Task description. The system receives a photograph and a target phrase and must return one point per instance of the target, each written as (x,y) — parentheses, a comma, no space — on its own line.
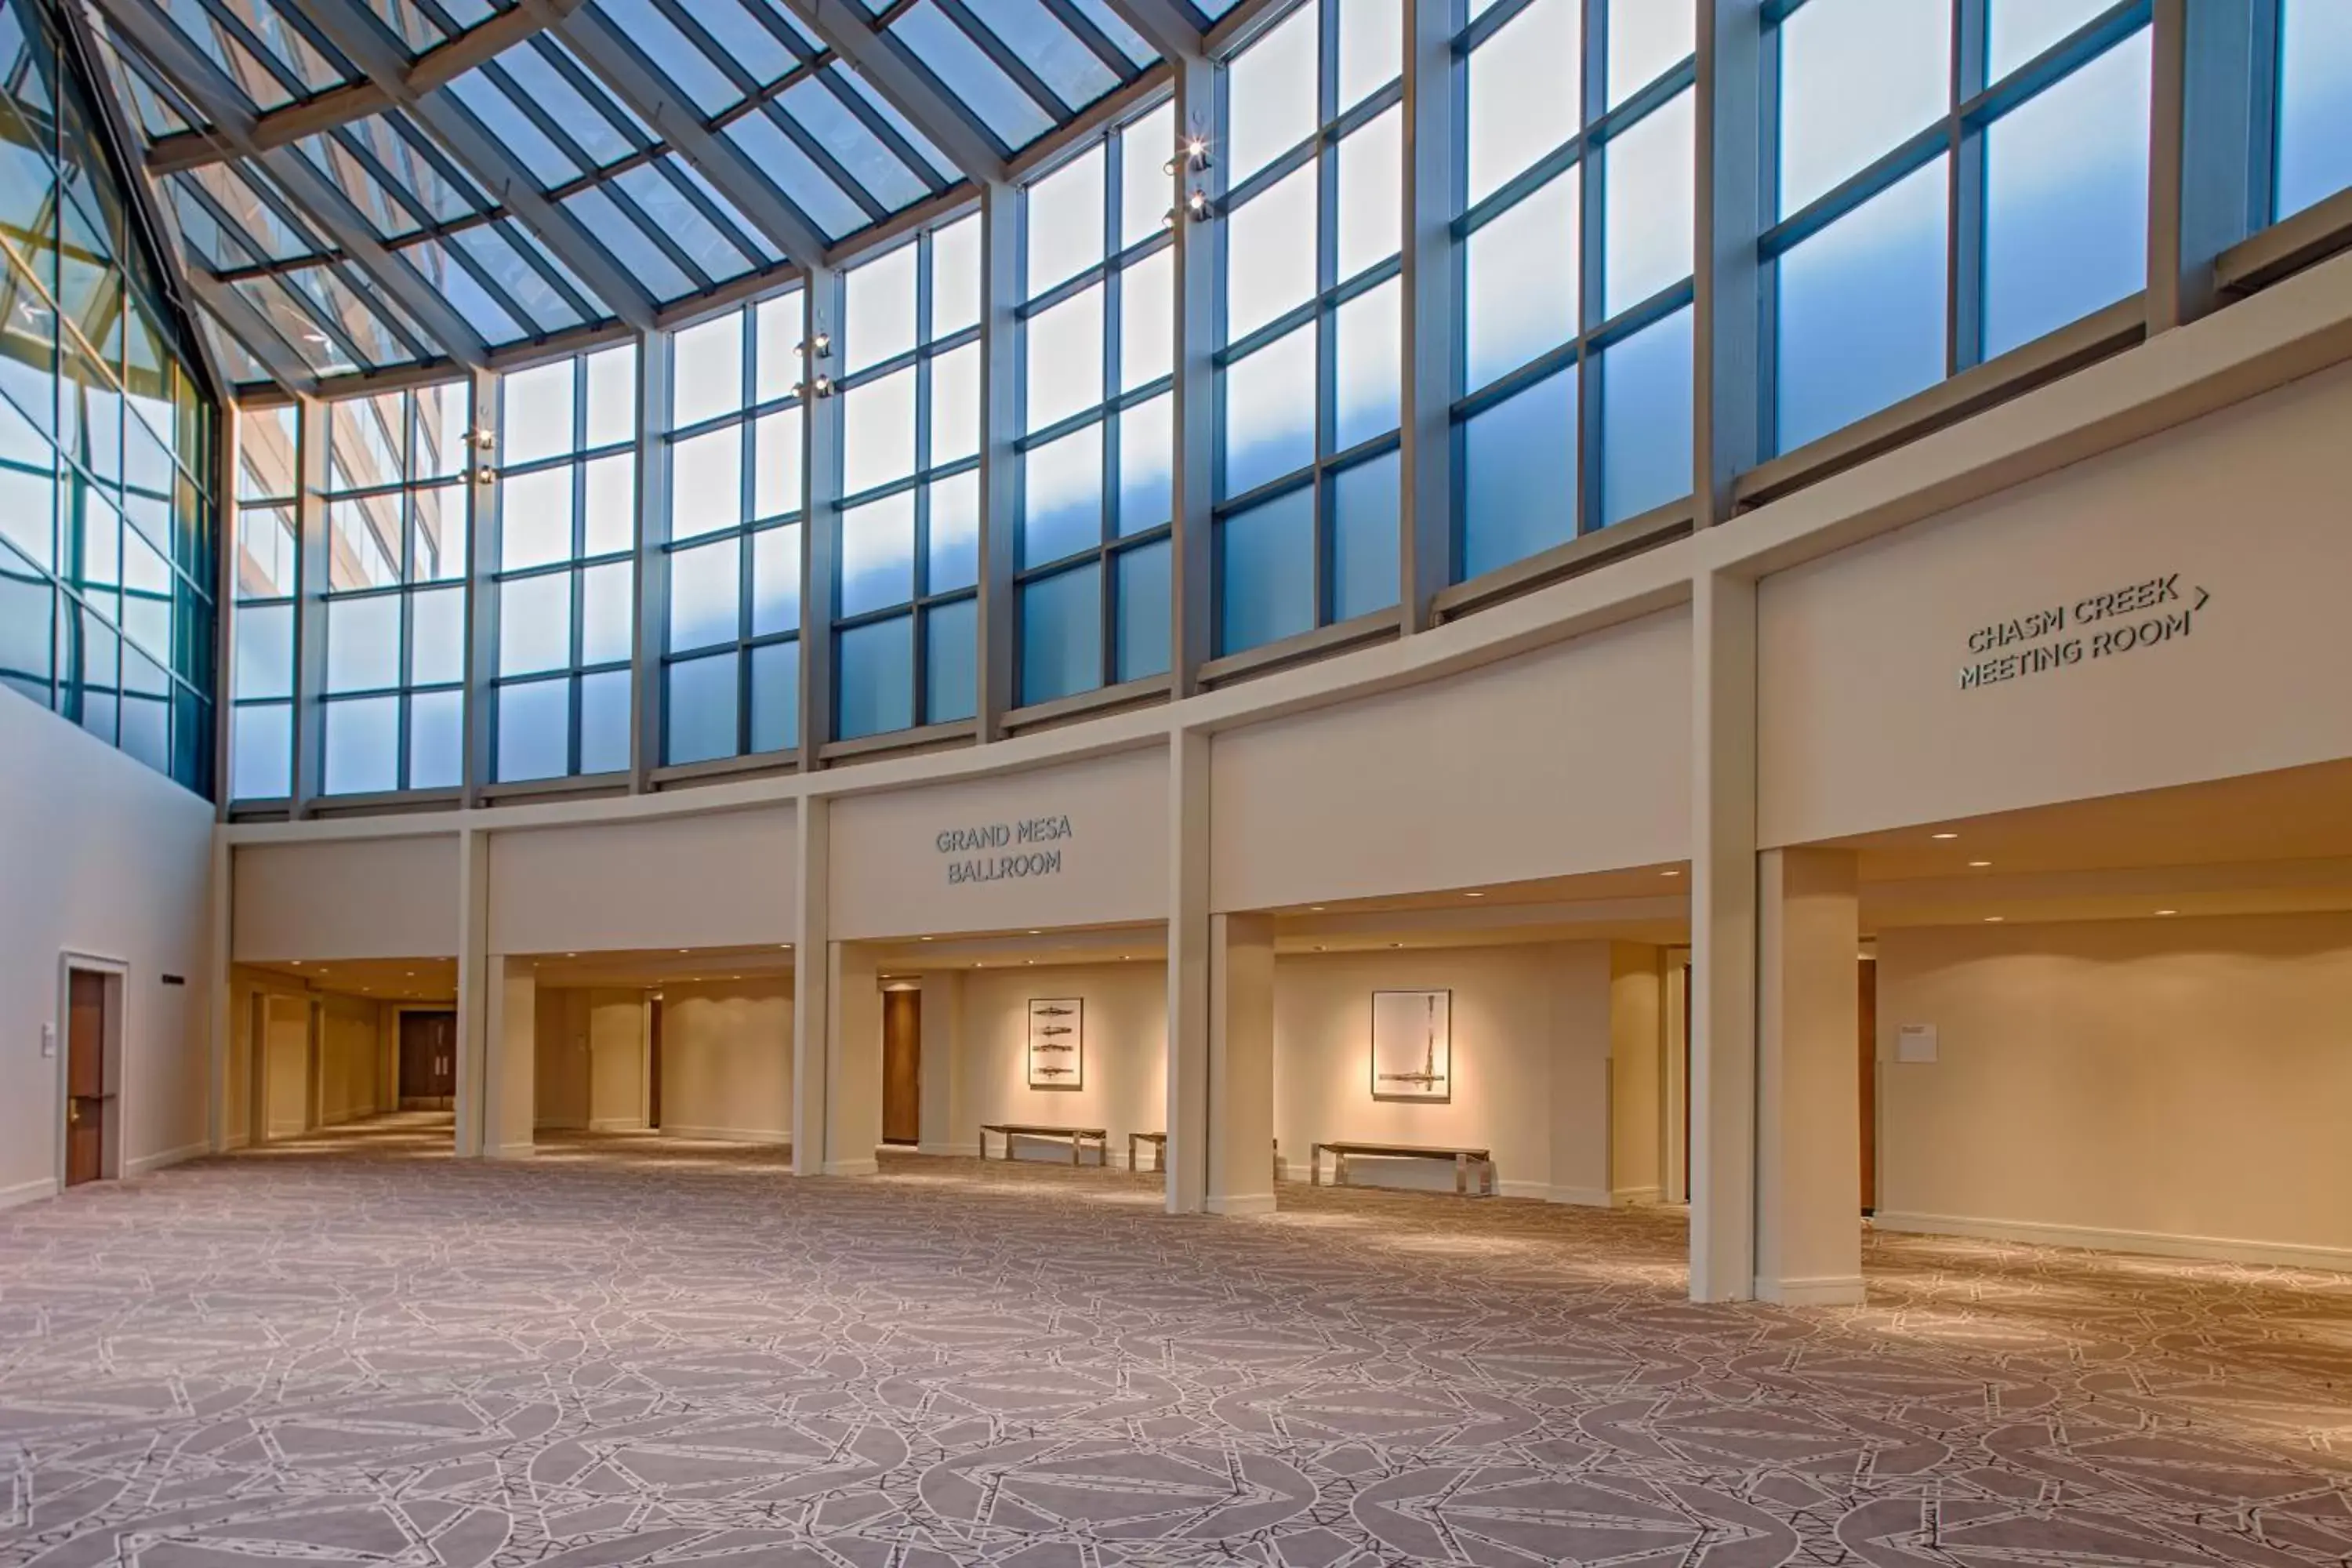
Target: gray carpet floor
(354,1350)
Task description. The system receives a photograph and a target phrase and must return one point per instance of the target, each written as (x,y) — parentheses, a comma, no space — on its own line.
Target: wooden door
(902,1067)
(85,1078)
(653,1062)
(428,1057)
(1868,1064)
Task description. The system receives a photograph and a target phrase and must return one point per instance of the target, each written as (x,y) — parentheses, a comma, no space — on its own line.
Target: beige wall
(892,878)
(727,1061)
(589,1061)
(1637,1072)
(370,898)
(1126,1024)
(1862,721)
(1576,758)
(2173,1085)
(723,879)
(287,1097)
(351,1060)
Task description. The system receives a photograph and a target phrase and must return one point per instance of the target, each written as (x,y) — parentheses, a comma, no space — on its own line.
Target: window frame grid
(1582,157)
(745,534)
(1974,104)
(577,561)
(290,601)
(1107,413)
(922,599)
(1334,124)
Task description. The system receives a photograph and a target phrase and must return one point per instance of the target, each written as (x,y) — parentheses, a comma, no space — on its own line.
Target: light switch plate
(49,1039)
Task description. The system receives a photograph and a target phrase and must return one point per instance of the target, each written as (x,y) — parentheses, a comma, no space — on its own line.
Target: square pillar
(510,1101)
(810,981)
(1580,1034)
(852,1061)
(1636,1036)
(1189,942)
(476,979)
(942,1130)
(1723,940)
(1808,1122)
(1241,1064)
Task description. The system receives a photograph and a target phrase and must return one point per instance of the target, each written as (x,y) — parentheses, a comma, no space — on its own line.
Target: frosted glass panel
(1520,286)
(2017,30)
(1146,449)
(707,370)
(537,408)
(265,650)
(1265,572)
(1065,222)
(954,534)
(1270,254)
(535,624)
(1372,195)
(704,585)
(955,406)
(607,624)
(1061,497)
(1370,339)
(437,740)
(874,676)
(363,643)
(878,554)
(1646,39)
(1519,475)
(1146,321)
(1061,634)
(1146,189)
(700,708)
(604,722)
(261,762)
(610,503)
(1270,412)
(535,519)
(1364,538)
(877,432)
(436,622)
(955,278)
(2314,110)
(950,644)
(535,730)
(1271,93)
(1862,310)
(879,312)
(1143,610)
(776,464)
(775,697)
(1857,77)
(363,745)
(776,580)
(1651,186)
(1065,360)
(1645,419)
(706,478)
(1525,92)
(1371,47)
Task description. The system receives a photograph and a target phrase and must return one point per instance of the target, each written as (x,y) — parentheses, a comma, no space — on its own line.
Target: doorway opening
(902,1067)
(92,1140)
(428,1060)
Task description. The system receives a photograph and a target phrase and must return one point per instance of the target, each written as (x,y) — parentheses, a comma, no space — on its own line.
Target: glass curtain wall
(2312,160)
(732,658)
(1951,179)
(1578,184)
(906,610)
(268,586)
(107,538)
(398,522)
(1309,376)
(1099,329)
(566,567)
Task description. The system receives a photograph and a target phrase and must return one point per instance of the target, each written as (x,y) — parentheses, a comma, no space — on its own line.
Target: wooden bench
(1159,1142)
(1078,1138)
(1462,1160)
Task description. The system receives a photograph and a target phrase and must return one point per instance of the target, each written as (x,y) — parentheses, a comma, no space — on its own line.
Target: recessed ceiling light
(1474,895)
(681,950)
(1943,835)
(1314,909)
(926,939)
(2168,911)
(1396,944)
(1994,919)
(297,963)
(1319,948)
(570,955)
(1671,871)
(1979,865)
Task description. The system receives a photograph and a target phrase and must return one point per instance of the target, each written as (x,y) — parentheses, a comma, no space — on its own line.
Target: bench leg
(1461,1177)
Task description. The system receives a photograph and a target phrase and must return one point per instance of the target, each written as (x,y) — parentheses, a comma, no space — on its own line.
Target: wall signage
(1002,851)
(2103,625)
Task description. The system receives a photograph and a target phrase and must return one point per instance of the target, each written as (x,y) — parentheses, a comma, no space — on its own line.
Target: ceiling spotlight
(1671,872)
(1978,865)
(1036,934)
(681,950)
(926,939)
(1474,895)
(1314,908)
(821,345)
(1943,835)
(2168,911)
(1196,205)
(1994,919)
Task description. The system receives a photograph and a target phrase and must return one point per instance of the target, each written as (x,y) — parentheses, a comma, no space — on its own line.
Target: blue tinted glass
(1856,77)
(535,624)
(878,554)
(2017,30)
(1368,378)
(363,745)
(775,697)
(1061,634)
(261,764)
(1271,92)
(1518,481)
(776,580)
(535,730)
(1645,419)
(1371,222)
(877,432)
(1265,572)
(951,642)
(265,651)
(875,677)
(1143,610)
(363,643)
(954,534)
(1061,497)
(1064,357)
(1652,189)
(1862,310)
(1520,283)
(2066,200)
(705,594)
(607,618)
(604,722)
(1525,92)
(700,713)
(1065,228)
(1269,414)
(1146,450)
(2315,108)
(1364,576)
(971,76)
(1270,253)
(437,740)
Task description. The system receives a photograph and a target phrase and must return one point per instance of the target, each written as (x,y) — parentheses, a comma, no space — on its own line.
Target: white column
(475,983)
(220,1022)
(852,1066)
(811,865)
(1189,942)
(1579,984)
(1808,1122)
(509,1102)
(1723,940)
(1636,1150)
(1241,1064)
(943,1131)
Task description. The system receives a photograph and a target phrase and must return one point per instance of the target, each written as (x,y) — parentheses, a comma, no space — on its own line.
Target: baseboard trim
(868,1166)
(1235,1206)
(510,1151)
(725,1134)
(1589,1197)
(2158,1244)
(1833,1290)
(949,1151)
(617,1124)
(146,1162)
(31,1192)
(1540,1191)
(1635,1197)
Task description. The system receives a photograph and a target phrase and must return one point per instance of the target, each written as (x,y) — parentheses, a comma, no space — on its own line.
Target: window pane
(951,634)
(535,519)
(1146,321)
(1372,195)
(1269,418)
(1862,310)
(879,312)
(955,406)
(261,760)
(1370,369)
(1364,562)
(775,697)
(607,622)
(611,504)
(436,545)
(954,534)
(1061,497)
(878,554)
(1856,77)
(265,650)
(700,708)
(877,432)
(437,740)
(1061,634)
(2314,110)
(1143,610)
(1646,40)
(1270,254)
(1065,360)
(1525,92)
(1520,283)
(2066,200)
(707,370)
(776,580)
(1271,93)
(2017,30)
(1146,447)
(363,745)
(777,334)
(538,412)
(776,464)
(875,678)
(1146,192)
(535,730)
(703,594)
(612,397)
(437,654)
(365,537)
(535,624)
(1519,475)
(1371,47)
(363,643)
(1651,190)
(1065,222)
(1645,419)
(1265,572)
(604,722)
(955,278)
(706,482)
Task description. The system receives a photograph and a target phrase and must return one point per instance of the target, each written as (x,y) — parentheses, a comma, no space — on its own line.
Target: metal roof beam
(320,202)
(1166,25)
(237,317)
(905,86)
(363,40)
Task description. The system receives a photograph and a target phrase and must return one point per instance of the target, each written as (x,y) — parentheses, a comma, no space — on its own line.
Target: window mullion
(649,570)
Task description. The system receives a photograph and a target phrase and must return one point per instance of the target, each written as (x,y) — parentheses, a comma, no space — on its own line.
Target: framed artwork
(1412,1046)
(1058,1042)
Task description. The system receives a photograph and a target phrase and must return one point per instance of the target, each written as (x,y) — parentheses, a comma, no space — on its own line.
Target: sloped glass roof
(390,182)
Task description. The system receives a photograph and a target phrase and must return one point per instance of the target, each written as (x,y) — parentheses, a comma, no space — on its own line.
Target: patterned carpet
(354,1350)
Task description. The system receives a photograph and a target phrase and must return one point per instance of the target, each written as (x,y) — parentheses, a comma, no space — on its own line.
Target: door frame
(388,1064)
(116,973)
